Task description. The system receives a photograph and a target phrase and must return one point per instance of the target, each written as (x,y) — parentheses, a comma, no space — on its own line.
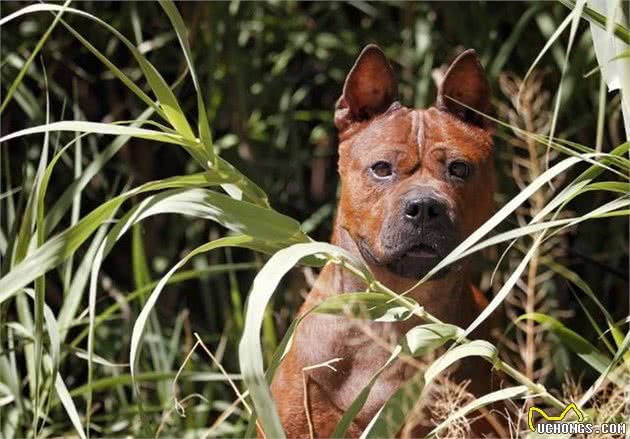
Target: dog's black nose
(424,210)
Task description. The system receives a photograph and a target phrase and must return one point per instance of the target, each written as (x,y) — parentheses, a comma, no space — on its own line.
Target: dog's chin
(413,263)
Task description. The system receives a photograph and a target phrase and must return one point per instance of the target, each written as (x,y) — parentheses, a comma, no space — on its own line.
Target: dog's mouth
(422,251)
(414,262)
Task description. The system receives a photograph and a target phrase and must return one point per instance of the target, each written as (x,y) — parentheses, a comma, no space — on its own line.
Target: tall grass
(67,364)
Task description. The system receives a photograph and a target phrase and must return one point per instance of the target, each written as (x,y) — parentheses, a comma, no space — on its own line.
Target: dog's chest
(344,354)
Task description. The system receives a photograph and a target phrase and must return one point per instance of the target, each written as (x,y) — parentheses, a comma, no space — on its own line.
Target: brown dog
(415,183)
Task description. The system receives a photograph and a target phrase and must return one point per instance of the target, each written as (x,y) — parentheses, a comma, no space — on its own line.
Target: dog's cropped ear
(369,90)
(465,82)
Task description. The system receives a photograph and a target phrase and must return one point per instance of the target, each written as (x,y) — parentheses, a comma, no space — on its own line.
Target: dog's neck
(447,298)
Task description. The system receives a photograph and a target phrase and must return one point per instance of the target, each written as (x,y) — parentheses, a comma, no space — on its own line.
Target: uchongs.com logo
(558,425)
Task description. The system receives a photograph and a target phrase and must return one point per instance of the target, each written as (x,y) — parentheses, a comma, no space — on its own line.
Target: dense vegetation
(173,148)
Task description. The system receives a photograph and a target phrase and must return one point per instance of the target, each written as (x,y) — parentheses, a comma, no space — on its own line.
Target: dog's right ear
(464,88)
(369,90)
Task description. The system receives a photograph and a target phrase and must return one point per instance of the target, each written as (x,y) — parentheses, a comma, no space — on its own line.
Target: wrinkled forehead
(420,129)
(399,126)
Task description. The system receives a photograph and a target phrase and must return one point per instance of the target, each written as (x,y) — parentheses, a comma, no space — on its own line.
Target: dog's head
(415,182)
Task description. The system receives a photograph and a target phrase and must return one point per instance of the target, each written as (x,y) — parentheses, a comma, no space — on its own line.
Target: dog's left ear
(465,81)
(369,90)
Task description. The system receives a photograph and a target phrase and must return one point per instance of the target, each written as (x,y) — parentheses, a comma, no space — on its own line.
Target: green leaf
(140,323)
(55,348)
(58,248)
(377,307)
(68,404)
(622,32)
(97,162)
(506,288)
(576,280)
(98,128)
(425,338)
(573,341)
(180,29)
(621,353)
(476,348)
(18,79)
(168,101)
(75,292)
(238,216)
(117,72)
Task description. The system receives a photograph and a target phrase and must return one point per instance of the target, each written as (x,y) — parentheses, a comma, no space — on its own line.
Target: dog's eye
(381,169)
(459,169)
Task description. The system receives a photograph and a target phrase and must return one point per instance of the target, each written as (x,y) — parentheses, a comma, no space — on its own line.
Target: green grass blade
(180,29)
(29,61)
(568,20)
(52,328)
(117,72)
(621,32)
(41,185)
(59,248)
(423,339)
(140,323)
(476,348)
(239,216)
(376,307)
(74,296)
(573,341)
(68,404)
(63,203)
(141,275)
(506,288)
(530,229)
(168,101)
(511,42)
(98,128)
(137,294)
(554,118)
(576,280)
(622,352)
